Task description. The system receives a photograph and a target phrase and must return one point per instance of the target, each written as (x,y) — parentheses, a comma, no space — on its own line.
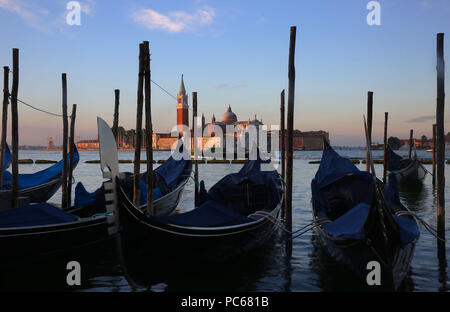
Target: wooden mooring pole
(148,127)
(138,137)
(369,125)
(433,156)
(385,147)
(71,152)
(4,120)
(282,137)
(64,199)
(440,141)
(194,146)
(15,132)
(411,142)
(290,127)
(115,128)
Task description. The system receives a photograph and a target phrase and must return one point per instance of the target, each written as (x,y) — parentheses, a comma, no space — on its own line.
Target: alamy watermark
(73,16)
(233,143)
(374,16)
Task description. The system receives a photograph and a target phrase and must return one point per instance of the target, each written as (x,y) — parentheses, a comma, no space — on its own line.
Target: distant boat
(38,187)
(406,170)
(349,221)
(430,150)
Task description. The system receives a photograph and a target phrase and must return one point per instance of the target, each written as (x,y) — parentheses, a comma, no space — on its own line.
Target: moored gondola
(357,226)
(39,186)
(406,170)
(37,232)
(239,213)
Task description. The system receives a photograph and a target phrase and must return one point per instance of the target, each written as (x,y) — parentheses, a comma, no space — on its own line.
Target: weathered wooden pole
(282,137)
(433,156)
(440,140)
(385,147)
(138,136)
(15,132)
(148,127)
(411,132)
(290,127)
(194,146)
(71,152)
(369,125)
(4,120)
(115,128)
(64,199)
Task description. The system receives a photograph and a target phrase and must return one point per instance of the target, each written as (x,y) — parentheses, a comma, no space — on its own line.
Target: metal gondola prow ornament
(109,165)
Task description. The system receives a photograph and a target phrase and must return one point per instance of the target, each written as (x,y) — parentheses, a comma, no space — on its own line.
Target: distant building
(50,143)
(87,144)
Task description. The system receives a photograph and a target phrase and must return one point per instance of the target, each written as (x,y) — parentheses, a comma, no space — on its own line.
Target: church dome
(229,116)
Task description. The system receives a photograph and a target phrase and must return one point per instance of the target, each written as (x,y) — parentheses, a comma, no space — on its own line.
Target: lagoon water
(269,269)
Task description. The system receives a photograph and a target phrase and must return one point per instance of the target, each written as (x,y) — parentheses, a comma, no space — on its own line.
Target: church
(311,140)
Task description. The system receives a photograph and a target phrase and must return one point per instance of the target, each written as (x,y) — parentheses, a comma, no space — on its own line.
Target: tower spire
(182,88)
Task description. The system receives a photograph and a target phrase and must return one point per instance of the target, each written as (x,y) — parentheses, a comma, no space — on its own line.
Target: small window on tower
(179,101)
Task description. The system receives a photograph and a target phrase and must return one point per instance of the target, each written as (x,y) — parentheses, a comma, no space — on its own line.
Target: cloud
(421,119)
(174,21)
(31,15)
(222,85)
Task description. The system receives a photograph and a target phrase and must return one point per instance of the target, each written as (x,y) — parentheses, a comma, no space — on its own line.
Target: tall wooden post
(71,152)
(282,137)
(4,120)
(433,156)
(411,132)
(15,132)
(116,113)
(138,136)
(440,141)
(290,127)
(369,125)
(385,147)
(194,146)
(148,127)
(64,199)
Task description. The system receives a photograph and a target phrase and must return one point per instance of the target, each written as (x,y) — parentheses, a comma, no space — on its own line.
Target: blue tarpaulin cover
(218,207)
(351,224)
(7,157)
(34,215)
(166,178)
(27,180)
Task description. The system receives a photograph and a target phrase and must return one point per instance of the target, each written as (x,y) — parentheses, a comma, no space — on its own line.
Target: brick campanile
(182,108)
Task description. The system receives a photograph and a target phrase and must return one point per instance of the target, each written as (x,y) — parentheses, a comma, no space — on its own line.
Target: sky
(232,53)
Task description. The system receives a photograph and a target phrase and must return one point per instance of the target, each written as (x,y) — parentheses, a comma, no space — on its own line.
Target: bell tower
(182,108)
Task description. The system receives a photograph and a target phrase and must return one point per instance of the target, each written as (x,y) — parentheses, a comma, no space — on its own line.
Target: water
(268,269)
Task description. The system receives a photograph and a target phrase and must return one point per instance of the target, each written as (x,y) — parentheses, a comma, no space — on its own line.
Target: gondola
(37,232)
(406,170)
(353,224)
(237,214)
(169,180)
(40,186)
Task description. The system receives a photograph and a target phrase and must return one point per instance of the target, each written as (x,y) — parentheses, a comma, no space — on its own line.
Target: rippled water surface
(268,269)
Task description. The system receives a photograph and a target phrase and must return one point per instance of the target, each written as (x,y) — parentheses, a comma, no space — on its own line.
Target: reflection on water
(267,269)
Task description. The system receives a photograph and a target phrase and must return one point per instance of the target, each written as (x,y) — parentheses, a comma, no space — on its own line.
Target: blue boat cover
(334,167)
(230,200)
(351,224)
(27,180)
(394,161)
(210,214)
(7,158)
(165,179)
(34,215)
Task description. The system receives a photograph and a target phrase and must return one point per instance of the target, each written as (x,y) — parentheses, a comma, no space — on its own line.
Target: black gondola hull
(354,257)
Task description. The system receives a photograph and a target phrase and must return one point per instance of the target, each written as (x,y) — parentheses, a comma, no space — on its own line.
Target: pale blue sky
(231,52)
